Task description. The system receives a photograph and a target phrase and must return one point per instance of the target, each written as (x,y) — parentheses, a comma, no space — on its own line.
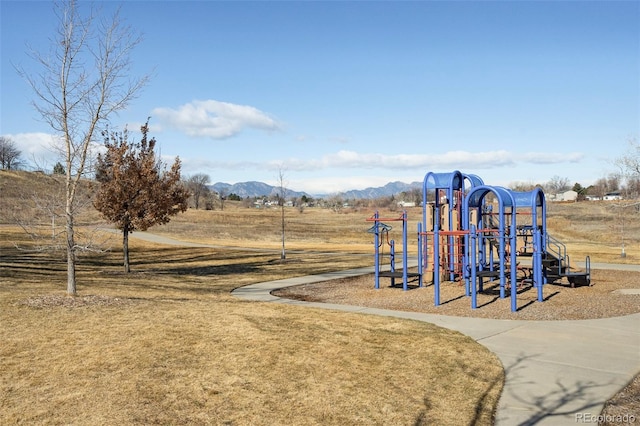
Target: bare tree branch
(82,81)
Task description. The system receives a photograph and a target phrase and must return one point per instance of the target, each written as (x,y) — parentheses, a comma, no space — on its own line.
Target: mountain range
(260,189)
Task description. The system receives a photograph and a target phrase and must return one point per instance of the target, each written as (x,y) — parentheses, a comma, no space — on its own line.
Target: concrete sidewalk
(557,372)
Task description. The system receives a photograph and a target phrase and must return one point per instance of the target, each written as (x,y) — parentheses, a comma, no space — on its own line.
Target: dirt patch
(561,302)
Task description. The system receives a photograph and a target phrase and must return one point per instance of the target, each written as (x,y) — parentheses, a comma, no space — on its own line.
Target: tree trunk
(71,256)
(125,248)
(283,255)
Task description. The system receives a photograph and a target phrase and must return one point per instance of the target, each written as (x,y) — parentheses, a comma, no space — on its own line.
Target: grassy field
(167,344)
(597,229)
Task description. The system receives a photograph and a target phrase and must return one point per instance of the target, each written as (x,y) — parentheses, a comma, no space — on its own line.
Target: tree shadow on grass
(480,414)
(239,268)
(178,269)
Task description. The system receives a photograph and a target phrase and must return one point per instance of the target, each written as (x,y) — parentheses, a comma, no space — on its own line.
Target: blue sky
(347,95)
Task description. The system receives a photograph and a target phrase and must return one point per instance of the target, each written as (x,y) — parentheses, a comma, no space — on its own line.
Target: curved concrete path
(557,372)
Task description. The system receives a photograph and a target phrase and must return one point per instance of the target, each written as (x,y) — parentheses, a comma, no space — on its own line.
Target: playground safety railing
(559,251)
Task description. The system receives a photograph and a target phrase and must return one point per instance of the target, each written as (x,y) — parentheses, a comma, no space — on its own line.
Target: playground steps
(556,268)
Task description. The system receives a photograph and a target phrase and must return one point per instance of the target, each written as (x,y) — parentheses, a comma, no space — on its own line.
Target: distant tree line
(202,197)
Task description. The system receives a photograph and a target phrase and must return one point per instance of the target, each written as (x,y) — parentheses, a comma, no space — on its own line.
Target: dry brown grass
(597,229)
(312,229)
(592,229)
(167,344)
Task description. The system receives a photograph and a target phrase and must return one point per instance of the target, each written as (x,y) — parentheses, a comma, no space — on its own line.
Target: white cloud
(34,144)
(214,119)
(552,157)
(38,150)
(452,160)
(448,160)
(196,165)
(42,150)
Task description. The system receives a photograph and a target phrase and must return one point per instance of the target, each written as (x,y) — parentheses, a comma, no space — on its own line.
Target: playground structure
(380,230)
(471,231)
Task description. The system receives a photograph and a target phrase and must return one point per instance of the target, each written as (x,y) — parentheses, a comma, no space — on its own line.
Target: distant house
(612,196)
(404,204)
(564,196)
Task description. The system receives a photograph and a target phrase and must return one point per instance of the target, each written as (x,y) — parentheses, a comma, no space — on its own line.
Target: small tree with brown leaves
(136,191)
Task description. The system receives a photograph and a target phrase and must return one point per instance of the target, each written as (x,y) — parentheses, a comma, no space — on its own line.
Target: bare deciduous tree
(82,81)
(222,196)
(136,192)
(632,188)
(613,182)
(9,154)
(599,188)
(335,202)
(197,185)
(629,164)
(44,205)
(558,184)
(605,185)
(282,194)
(630,161)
